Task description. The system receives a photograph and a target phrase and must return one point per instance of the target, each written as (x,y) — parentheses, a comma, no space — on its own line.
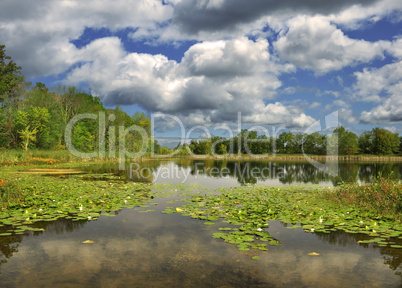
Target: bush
(384,196)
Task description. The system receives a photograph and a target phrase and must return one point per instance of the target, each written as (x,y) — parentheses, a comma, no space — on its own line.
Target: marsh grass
(36,157)
(10,194)
(383,196)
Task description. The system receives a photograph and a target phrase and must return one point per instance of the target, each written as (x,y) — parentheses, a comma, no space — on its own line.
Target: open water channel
(155,249)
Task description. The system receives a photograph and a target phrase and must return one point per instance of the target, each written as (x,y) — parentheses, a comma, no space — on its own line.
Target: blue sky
(278,63)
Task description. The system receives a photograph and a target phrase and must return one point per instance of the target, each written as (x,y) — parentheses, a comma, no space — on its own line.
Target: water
(169,250)
(216,173)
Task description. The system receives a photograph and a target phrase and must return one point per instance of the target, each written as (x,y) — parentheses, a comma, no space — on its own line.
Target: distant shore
(281,157)
(38,157)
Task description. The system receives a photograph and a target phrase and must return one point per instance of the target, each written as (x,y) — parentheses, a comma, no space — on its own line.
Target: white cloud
(381,85)
(395,47)
(341,103)
(216,78)
(355,16)
(314,43)
(37,35)
(347,116)
(279,114)
(390,111)
(372,83)
(315,105)
(392,129)
(192,88)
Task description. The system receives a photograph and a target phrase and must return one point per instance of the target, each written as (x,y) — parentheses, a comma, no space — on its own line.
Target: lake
(144,247)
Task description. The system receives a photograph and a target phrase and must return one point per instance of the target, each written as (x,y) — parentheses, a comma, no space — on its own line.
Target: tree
(27,135)
(385,142)
(8,134)
(10,78)
(32,124)
(366,144)
(400,144)
(284,143)
(345,141)
(315,143)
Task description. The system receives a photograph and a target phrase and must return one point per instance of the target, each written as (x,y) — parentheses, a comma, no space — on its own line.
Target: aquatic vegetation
(73,197)
(383,197)
(243,215)
(238,215)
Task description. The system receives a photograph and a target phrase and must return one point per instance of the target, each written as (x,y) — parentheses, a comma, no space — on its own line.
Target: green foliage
(345,141)
(27,135)
(35,198)
(385,142)
(315,143)
(10,78)
(243,213)
(36,117)
(83,136)
(384,196)
(400,144)
(341,142)
(379,141)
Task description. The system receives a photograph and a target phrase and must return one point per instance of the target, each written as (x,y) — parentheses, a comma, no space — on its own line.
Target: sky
(272,64)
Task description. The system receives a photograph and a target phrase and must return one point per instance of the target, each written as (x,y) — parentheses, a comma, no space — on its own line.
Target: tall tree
(32,125)
(385,142)
(346,141)
(366,142)
(284,143)
(10,78)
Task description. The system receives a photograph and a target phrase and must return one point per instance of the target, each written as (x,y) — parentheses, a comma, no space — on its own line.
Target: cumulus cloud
(356,16)
(38,34)
(390,111)
(383,85)
(213,82)
(195,16)
(225,72)
(314,43)
(395,47)
(347,116)
(372,83)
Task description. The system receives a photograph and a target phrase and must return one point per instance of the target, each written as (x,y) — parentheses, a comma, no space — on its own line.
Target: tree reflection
(252,172)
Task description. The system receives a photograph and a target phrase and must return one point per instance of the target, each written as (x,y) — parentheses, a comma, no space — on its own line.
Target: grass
(38,157)
(383,197)
(35,157)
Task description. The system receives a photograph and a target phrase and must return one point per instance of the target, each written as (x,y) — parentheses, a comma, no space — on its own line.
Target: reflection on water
(232,173)
(168,250)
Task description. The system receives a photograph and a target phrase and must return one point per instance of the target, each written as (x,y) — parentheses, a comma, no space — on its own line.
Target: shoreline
(356,158)
(20,158)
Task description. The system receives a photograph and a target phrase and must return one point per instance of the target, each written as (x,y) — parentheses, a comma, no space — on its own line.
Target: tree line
(378,141)
(35,117)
